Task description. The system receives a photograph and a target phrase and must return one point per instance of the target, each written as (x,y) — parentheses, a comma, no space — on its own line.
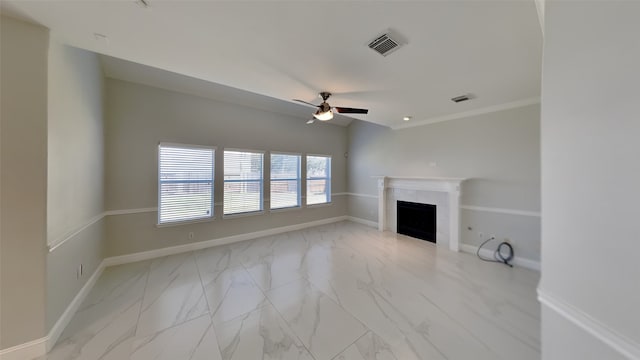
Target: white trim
(285,209)
(526,263)
(75,232)
(73,307)
(540,9)
(470,207)
(28,350)
(620,343)
(460,115)
(362,195)
(311,206)
(185,146)
(340,194)
(450,186)
(186,222)
(152,254)
(97,218)
(130,211)
(501,210)
(362,221)
(54,245)
(242,214)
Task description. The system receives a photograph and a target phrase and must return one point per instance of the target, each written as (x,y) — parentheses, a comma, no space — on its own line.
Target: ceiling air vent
(386,43)
(461,98)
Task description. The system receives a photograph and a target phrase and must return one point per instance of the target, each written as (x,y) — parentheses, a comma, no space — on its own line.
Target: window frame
(329,177)
(299,178)
(213,181)
(224,181)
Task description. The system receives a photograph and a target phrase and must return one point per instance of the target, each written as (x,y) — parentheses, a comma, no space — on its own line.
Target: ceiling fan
(325,111)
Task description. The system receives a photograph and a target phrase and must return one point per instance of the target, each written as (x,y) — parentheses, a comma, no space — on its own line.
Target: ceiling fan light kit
(325,111)
(323,115)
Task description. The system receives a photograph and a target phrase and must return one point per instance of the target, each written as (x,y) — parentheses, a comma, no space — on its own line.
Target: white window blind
(318,179)
(185,183)
(242,181)
(285,181)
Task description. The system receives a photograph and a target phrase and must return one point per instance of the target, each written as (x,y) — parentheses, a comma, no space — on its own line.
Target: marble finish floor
(339,291)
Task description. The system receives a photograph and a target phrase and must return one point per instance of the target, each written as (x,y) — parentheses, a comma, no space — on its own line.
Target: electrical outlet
(191,235)
(481,235)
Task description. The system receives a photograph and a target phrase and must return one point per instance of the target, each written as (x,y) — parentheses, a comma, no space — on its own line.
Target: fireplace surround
(442,192)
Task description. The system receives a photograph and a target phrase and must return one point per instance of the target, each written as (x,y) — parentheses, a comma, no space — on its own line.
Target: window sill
(241,215)
(185,222)
(320,205)
(285,209)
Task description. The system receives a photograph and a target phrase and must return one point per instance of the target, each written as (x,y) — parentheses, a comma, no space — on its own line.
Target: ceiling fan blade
(344,110)
(306,103)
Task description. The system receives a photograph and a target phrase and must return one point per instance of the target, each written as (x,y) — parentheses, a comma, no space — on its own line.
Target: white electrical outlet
(481,235)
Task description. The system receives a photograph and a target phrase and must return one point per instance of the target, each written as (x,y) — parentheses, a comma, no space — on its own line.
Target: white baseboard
(370,223)
(28,350)
(40,347)
(620,343)
(66,316)
(152,254)
(526,263)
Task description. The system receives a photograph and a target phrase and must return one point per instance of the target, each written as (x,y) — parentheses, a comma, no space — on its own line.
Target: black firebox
(417,220)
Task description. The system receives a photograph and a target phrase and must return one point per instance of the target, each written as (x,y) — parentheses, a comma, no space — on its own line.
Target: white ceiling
(295,49)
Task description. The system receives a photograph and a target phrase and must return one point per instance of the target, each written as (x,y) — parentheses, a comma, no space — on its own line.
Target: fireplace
(417,220)
(442,192)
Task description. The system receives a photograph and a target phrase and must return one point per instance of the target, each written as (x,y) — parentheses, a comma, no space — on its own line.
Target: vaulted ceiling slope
(295,49)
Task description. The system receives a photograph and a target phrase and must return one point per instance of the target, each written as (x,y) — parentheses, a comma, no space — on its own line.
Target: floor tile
(277,271)
(323,326)
(219,258)
(173,294)
(339,291)
(106,321)
(192,340)
(261,334)
(369,347)
(231,293)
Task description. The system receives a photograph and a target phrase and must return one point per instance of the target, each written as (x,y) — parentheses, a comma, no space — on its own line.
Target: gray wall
(75,184)
(23,181)
(139,117)
(564,340)
(591,169)
(499,152)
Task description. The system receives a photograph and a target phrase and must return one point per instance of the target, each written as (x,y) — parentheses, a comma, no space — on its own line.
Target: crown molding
(460,115)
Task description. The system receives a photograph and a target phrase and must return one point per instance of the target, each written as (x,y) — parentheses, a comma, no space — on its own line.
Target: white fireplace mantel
(451,186)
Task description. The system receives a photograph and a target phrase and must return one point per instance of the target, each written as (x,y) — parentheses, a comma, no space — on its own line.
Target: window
(318,179)
(285,181)
(242,181)
(185,182)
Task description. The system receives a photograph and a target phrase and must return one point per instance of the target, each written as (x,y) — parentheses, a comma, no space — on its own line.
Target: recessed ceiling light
(406,118)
